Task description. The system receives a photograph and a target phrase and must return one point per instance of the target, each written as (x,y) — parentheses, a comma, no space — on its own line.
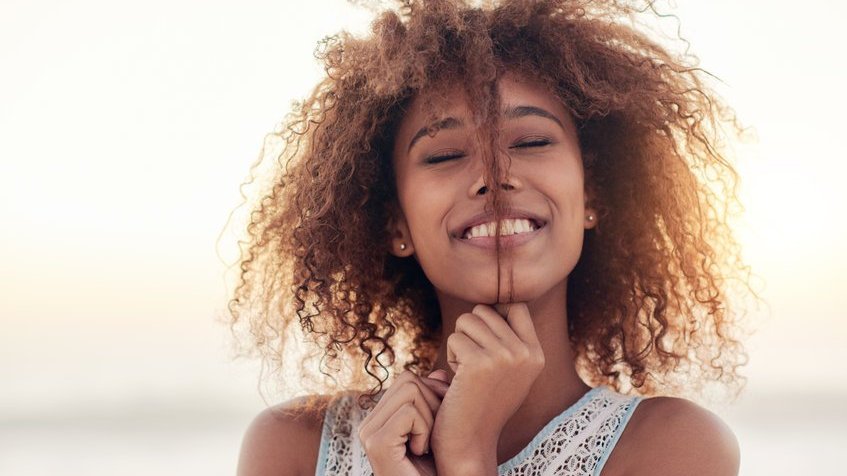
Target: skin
(504,370)
(545,177)
(509,377)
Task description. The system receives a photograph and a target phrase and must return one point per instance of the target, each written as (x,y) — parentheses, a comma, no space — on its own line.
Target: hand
(495,362)
(406,408)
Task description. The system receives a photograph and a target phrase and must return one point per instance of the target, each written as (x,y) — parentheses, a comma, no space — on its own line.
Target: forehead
(450,101)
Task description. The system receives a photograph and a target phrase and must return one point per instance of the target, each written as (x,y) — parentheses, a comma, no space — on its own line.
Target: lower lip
(509,241)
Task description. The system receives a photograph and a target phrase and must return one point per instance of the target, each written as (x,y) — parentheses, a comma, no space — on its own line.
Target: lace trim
(576,442)
(579,443)
(545,432)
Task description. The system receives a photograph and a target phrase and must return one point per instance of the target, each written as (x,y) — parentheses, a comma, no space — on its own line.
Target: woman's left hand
(495,362)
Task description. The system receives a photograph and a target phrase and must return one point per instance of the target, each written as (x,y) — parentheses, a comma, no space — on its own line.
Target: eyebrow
(511,113)
(523,111)
(446,123)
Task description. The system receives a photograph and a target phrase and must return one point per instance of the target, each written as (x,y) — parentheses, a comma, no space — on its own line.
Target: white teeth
(508,227)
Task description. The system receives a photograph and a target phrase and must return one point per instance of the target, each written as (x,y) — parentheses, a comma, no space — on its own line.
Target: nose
(479,187)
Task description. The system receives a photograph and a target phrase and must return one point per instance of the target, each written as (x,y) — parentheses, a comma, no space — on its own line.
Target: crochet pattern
(576,442)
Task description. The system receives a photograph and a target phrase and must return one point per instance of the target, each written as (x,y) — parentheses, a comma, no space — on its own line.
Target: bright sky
(126,129)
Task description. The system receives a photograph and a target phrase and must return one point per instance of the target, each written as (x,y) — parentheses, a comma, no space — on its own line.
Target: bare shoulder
(670,436)
(284,440)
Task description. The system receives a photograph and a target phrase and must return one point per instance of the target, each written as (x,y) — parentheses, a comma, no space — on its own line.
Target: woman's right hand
(407,408)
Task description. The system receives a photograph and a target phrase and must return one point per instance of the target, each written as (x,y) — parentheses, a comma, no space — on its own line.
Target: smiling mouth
(508,227)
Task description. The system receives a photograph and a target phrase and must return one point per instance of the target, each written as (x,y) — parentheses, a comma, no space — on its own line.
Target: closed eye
(524,144)
(435,159)
(536,142)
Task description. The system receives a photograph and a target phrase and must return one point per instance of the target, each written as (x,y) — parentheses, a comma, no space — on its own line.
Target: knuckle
(466,318)
(408,409)
(522,354)
(538,360)
(409,389)
(509,360)
(366,442)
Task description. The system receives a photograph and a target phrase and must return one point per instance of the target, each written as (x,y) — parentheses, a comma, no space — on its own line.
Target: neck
(556,388)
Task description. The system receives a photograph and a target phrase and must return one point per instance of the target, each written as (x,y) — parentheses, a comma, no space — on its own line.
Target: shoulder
(284,440)
(670,436)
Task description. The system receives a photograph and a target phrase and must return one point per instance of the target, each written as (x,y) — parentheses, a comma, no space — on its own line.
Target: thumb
(437,382)
(439,375)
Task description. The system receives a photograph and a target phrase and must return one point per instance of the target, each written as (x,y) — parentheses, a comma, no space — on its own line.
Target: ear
(400,240)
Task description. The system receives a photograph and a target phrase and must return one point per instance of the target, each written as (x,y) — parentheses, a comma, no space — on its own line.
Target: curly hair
(648,301)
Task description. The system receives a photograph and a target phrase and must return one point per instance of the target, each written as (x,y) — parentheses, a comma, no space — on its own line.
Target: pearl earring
(402,246)
(590,217)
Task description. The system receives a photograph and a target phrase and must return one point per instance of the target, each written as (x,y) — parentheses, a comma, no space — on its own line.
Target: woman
(514,197)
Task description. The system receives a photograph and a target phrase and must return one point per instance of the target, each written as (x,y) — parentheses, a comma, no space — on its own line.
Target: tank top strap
(341,452)
(616,417)
(578,441)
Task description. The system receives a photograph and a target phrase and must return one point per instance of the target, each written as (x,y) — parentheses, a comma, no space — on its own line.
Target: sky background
(127,128)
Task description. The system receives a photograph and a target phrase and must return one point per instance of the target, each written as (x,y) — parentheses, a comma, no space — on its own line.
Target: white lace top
(576,442)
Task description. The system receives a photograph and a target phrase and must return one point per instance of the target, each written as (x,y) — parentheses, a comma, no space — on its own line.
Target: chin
(527,285)
(522,291)
(519,294)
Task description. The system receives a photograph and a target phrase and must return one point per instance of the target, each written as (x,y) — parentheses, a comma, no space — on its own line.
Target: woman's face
(441,193)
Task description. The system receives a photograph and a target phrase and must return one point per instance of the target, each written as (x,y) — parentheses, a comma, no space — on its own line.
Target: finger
(460,348)
(440,387)
(520,321)
(431,397)
(408,420)
(406,376)
(386,397)
(392,434)
(440,374)
(497,322)
(478,330)
(408,391)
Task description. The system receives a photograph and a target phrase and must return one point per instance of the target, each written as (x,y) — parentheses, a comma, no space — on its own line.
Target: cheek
(563,185)
(425,205)
(576,205)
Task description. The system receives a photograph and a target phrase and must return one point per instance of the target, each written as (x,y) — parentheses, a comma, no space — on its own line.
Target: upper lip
(487,217)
